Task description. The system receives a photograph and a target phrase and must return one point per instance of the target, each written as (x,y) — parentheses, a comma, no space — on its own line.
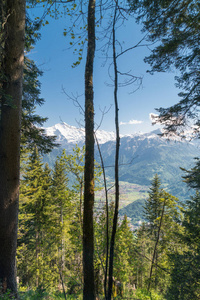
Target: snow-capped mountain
(71,134)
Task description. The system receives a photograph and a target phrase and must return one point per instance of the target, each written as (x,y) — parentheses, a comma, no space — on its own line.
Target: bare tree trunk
(62,258)
(81,201)
(62,282)
(37,251)
(88,230)
(107,219)
(115,218)
(10,122)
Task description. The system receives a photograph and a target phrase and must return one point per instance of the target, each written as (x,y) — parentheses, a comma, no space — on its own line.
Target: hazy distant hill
(141,156)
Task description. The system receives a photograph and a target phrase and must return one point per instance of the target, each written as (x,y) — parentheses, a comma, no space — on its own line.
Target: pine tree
(123,272)
(152,206)
(124,254)
(34,251)
(31,132)
(185,265)
(192,176)
(161,213)
(63,213)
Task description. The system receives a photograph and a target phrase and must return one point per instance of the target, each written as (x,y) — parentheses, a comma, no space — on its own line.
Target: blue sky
(54,56)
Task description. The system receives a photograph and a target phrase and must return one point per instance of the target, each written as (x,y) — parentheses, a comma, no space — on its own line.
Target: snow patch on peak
(65,132)
(74,135)
(70,134)
(104,136)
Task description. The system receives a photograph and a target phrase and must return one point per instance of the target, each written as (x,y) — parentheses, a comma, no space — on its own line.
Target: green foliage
(44,224)
(152,207)
(7,296)
(35,295)
(142,294)
(124,253)
(34,228)
(186,271)
(123,271)
(50,234)
(192,177)
(157,238)
(175,26)
(134,211)
(32,133)
(75,166)
(50,239)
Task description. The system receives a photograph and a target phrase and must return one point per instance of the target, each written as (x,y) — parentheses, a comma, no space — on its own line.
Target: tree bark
(115,218)
(10,121)
(88,231)
(107,218)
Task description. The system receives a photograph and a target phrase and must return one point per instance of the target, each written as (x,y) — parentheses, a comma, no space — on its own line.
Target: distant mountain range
(141,156)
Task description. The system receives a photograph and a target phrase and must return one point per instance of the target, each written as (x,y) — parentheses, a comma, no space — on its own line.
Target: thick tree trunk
(88,231)
(12,68)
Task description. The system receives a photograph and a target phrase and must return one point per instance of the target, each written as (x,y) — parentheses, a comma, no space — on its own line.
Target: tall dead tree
(88,230)
(13,32)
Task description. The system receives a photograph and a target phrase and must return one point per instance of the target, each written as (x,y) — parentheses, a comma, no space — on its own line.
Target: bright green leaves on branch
(76,42)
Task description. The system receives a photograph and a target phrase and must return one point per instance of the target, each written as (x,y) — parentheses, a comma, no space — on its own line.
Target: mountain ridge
(71,134)
(141,156)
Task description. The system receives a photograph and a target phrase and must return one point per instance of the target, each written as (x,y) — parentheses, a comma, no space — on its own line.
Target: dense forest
(56,240)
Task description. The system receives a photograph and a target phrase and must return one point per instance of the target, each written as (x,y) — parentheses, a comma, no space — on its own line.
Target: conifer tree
(31,132)
(34,250)
(161,213)
(124,254)
(63,212)
(123,272)
(152,207)
(175,26)
(185,274)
